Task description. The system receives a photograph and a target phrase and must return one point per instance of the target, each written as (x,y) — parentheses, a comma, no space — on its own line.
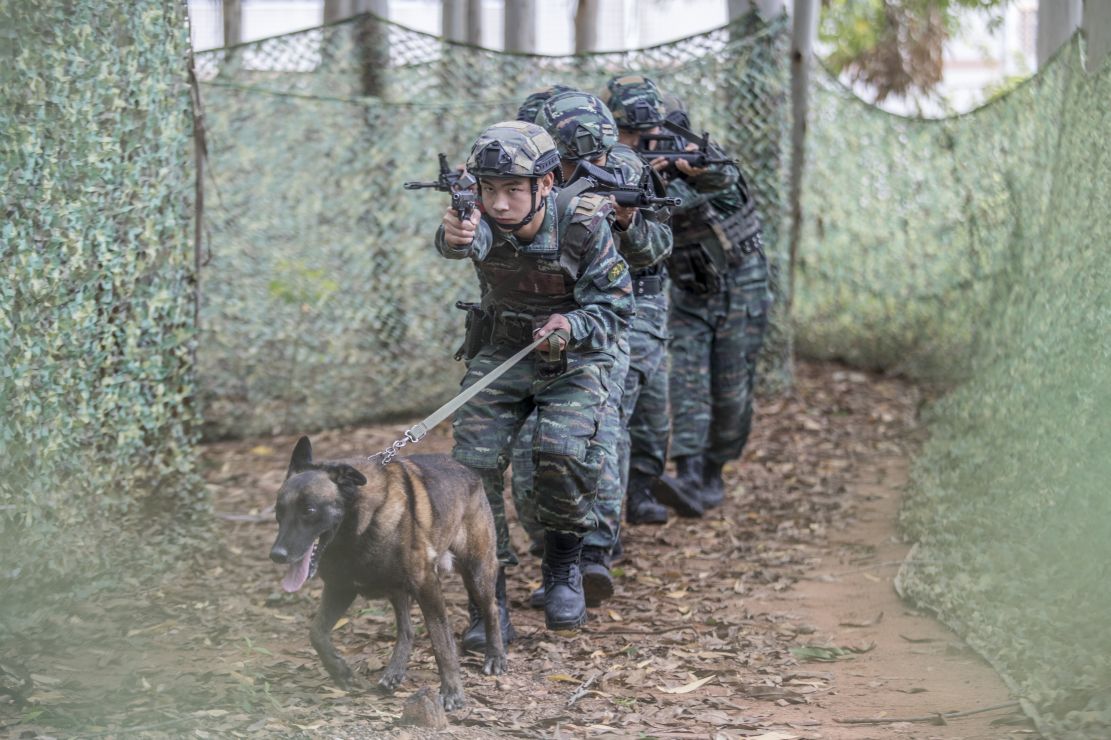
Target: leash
(417,432)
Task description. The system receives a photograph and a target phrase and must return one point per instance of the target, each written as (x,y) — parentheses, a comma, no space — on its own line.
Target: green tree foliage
(894,46)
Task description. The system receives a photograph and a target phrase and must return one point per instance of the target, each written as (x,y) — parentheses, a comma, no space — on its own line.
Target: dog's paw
(342,675)
(452,698)
(390,680)
(495,665)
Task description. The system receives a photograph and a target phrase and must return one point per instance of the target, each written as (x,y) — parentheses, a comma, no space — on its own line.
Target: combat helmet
(528,110)
(675,110)
(514,149)
(636,102)
(581,124)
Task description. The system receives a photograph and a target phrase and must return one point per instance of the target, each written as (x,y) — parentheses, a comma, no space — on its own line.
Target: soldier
(719,302)
(637,108)
(584,130)
(548,267)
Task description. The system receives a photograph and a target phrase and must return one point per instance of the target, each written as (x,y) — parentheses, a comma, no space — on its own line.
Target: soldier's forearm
(645,243)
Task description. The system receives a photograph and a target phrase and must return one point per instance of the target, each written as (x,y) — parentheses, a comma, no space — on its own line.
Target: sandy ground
(716,629)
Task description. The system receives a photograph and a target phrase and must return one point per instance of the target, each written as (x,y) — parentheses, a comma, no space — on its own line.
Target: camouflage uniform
(637,106)
(588,283)
(584,129)
(719,301)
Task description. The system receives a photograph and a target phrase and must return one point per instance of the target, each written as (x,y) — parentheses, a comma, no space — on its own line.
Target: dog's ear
(302,457)
(344,475)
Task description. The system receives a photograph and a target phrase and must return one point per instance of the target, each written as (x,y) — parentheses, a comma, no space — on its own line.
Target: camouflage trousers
(715,340)
(612,436)
(646,390)
(565,455)
(634,433)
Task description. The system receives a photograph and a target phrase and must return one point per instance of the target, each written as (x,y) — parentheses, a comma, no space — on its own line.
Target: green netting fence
(324,302)
(974,249)
(96,289)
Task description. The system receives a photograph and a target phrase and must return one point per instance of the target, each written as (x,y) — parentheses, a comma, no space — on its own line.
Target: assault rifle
(460,184)
(673,147)
(611,181)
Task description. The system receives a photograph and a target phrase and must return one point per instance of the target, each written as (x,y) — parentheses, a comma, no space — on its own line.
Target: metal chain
(390,452)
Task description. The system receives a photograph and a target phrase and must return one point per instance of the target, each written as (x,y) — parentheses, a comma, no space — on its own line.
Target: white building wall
(982,58)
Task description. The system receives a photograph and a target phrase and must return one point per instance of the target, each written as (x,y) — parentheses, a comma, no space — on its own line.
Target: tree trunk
(520,25)
(453,20)
(586,26)
(372,39)
(802,46)
(474,22)
(1057,20)
(1097,32)
(768,8)
(233,22)
(337,10)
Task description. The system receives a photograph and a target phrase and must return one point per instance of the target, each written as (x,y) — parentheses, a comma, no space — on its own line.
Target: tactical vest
(523,284)
(709,243)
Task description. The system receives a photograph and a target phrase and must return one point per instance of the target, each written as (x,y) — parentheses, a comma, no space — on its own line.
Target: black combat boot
(597,580)
(670,492)
(564,602)
(688,474)
(474,637)
(713,487)
(641,506)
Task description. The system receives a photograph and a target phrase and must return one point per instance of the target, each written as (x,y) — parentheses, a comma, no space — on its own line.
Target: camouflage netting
(324,301)
(96,293)
(974,249)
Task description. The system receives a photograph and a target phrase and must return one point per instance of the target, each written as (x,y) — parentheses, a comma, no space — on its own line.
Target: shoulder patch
(616,271)
(591,207)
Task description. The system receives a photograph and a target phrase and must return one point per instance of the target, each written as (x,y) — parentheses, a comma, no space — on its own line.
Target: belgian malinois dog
(389,530)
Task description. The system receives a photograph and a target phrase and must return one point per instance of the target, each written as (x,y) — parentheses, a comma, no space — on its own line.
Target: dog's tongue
(297,574)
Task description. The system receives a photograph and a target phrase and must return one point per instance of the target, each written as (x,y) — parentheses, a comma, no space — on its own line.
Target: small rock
(422,709)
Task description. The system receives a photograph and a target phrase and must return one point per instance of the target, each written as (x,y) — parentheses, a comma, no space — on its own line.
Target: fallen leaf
(563,677)
(828,654)
(870,623)
(686,689)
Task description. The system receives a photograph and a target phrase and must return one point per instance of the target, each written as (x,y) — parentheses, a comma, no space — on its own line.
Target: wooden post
(802,48)
(520,25)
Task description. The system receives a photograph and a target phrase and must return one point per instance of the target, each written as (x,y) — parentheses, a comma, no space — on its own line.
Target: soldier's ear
(301,459)
(547,182)
(344,475)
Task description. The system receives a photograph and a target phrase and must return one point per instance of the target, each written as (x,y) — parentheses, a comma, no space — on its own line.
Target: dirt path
(712,633)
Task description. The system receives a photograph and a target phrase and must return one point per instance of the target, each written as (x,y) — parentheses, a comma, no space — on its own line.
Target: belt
(513,329)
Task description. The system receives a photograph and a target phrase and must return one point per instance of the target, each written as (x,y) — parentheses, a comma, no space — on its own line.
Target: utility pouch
(743,232)
(693,270)
(477,331)
(553,362)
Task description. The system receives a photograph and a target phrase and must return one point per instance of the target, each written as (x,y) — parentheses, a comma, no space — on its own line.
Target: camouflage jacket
(647,241)
(587,283)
